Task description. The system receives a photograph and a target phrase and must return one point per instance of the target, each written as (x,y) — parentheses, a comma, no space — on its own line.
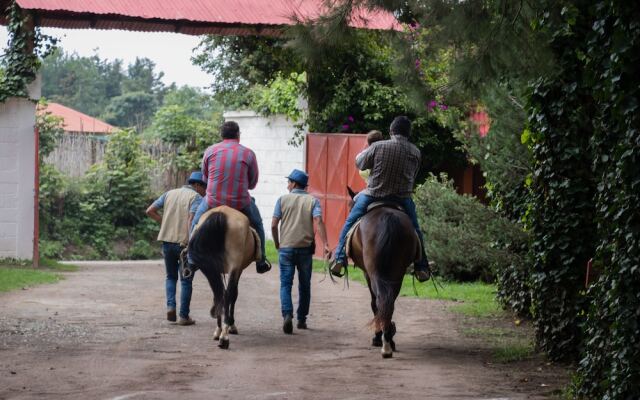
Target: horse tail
(207,250)
(385,289)
(387,239)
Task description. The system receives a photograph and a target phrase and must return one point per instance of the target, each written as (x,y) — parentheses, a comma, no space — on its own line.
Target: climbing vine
(610,366)
(562,216)
(27,45)
(585,134)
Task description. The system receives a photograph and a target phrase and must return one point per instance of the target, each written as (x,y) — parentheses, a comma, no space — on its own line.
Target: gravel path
(101,334)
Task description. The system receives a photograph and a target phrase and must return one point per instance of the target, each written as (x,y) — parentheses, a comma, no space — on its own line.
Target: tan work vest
(175,215)
(296,224)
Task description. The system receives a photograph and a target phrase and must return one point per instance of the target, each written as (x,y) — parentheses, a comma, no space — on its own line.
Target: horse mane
(207,249)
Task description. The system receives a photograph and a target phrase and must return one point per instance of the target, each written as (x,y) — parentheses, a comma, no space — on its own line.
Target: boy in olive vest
(179,207)
(297,213)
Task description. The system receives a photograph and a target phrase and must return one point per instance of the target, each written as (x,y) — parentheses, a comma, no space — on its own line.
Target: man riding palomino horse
(231,170)
(394,165)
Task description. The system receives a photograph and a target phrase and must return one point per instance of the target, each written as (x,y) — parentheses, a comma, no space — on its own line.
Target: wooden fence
(75,154)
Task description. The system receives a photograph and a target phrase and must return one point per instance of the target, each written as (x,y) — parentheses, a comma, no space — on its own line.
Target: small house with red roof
(76,122)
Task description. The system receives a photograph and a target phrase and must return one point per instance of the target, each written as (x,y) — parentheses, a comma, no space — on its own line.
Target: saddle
(371,207)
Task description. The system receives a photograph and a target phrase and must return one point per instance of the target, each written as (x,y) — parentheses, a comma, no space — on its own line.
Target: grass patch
(17,274)
(474,299)
(515,351)
(507,345)
(57,266)
(15,278)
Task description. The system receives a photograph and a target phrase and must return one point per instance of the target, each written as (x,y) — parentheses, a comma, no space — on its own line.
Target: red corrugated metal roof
(75,121)
(191,16)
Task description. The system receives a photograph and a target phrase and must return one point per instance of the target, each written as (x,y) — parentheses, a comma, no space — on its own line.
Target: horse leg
(376,341)
(218,331)
(386,305)
(231,299)
(388,345)
(230,296)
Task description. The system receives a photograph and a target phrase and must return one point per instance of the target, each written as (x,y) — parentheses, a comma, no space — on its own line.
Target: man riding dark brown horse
(394,165)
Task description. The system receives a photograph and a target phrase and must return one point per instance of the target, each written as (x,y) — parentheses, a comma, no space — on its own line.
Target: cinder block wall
(17,172)
(268,138)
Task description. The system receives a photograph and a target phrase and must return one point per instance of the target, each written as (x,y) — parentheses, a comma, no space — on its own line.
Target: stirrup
(338,272)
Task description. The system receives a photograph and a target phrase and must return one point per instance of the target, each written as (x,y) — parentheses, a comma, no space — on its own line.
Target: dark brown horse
(383,245)
(223,243)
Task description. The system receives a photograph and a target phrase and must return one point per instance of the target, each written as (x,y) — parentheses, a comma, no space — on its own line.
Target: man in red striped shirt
(231,170)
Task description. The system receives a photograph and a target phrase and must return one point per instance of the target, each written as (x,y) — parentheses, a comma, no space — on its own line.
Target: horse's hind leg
(218,331)
(230,296)
(376,341)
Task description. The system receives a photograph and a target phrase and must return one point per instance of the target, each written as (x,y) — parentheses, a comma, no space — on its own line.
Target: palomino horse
(223,243)
(383,245)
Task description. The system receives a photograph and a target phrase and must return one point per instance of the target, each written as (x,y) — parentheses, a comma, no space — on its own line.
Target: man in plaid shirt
(394,165)
(231,170)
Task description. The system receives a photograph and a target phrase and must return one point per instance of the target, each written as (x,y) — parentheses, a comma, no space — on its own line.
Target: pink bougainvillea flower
(444,107)
(345,127)
(350,118)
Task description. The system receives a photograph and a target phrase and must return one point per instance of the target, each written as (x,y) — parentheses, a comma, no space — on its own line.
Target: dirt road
(100,334)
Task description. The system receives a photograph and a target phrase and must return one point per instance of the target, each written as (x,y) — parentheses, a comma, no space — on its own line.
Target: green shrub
(464,237)
(143,250)
(51,249)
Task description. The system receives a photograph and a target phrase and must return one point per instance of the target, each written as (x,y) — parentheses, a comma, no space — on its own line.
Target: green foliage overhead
(21,60)
(238,62)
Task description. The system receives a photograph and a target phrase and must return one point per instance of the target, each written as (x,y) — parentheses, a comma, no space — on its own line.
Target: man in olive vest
(296,214)
(179,206)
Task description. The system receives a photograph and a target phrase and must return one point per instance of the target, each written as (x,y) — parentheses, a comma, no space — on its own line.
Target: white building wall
(17,177)
(268,138)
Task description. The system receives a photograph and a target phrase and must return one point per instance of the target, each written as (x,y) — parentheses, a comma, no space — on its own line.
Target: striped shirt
(394,164)
(230,170)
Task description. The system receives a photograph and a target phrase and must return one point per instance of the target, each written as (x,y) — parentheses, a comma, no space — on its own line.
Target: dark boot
(263,266)
(422,271)
(287,325)
(337,268)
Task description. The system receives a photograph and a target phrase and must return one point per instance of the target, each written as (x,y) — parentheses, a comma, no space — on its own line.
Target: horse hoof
(233,330)
(387,355)
(223,343)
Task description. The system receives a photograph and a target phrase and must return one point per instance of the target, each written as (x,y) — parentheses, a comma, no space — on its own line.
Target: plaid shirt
(394,164)
(230,170)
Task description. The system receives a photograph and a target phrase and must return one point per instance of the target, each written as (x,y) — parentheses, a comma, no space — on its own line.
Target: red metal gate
(330,163)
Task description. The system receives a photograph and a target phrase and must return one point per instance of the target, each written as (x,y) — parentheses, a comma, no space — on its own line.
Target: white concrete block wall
(17,171)
(268,138)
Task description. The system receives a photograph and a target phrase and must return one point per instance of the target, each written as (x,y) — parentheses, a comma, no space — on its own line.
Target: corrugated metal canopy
(194,17)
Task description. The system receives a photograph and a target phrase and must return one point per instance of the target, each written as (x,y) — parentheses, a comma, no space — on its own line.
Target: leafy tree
(194,101)
(132,109)
(189,119)
(141,77)
(120,183)
(82,83)
(238,62)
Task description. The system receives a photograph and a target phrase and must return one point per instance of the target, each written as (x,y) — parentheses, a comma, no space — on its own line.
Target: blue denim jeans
(171,253)
(360,208)
(289,260)
(251,211)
